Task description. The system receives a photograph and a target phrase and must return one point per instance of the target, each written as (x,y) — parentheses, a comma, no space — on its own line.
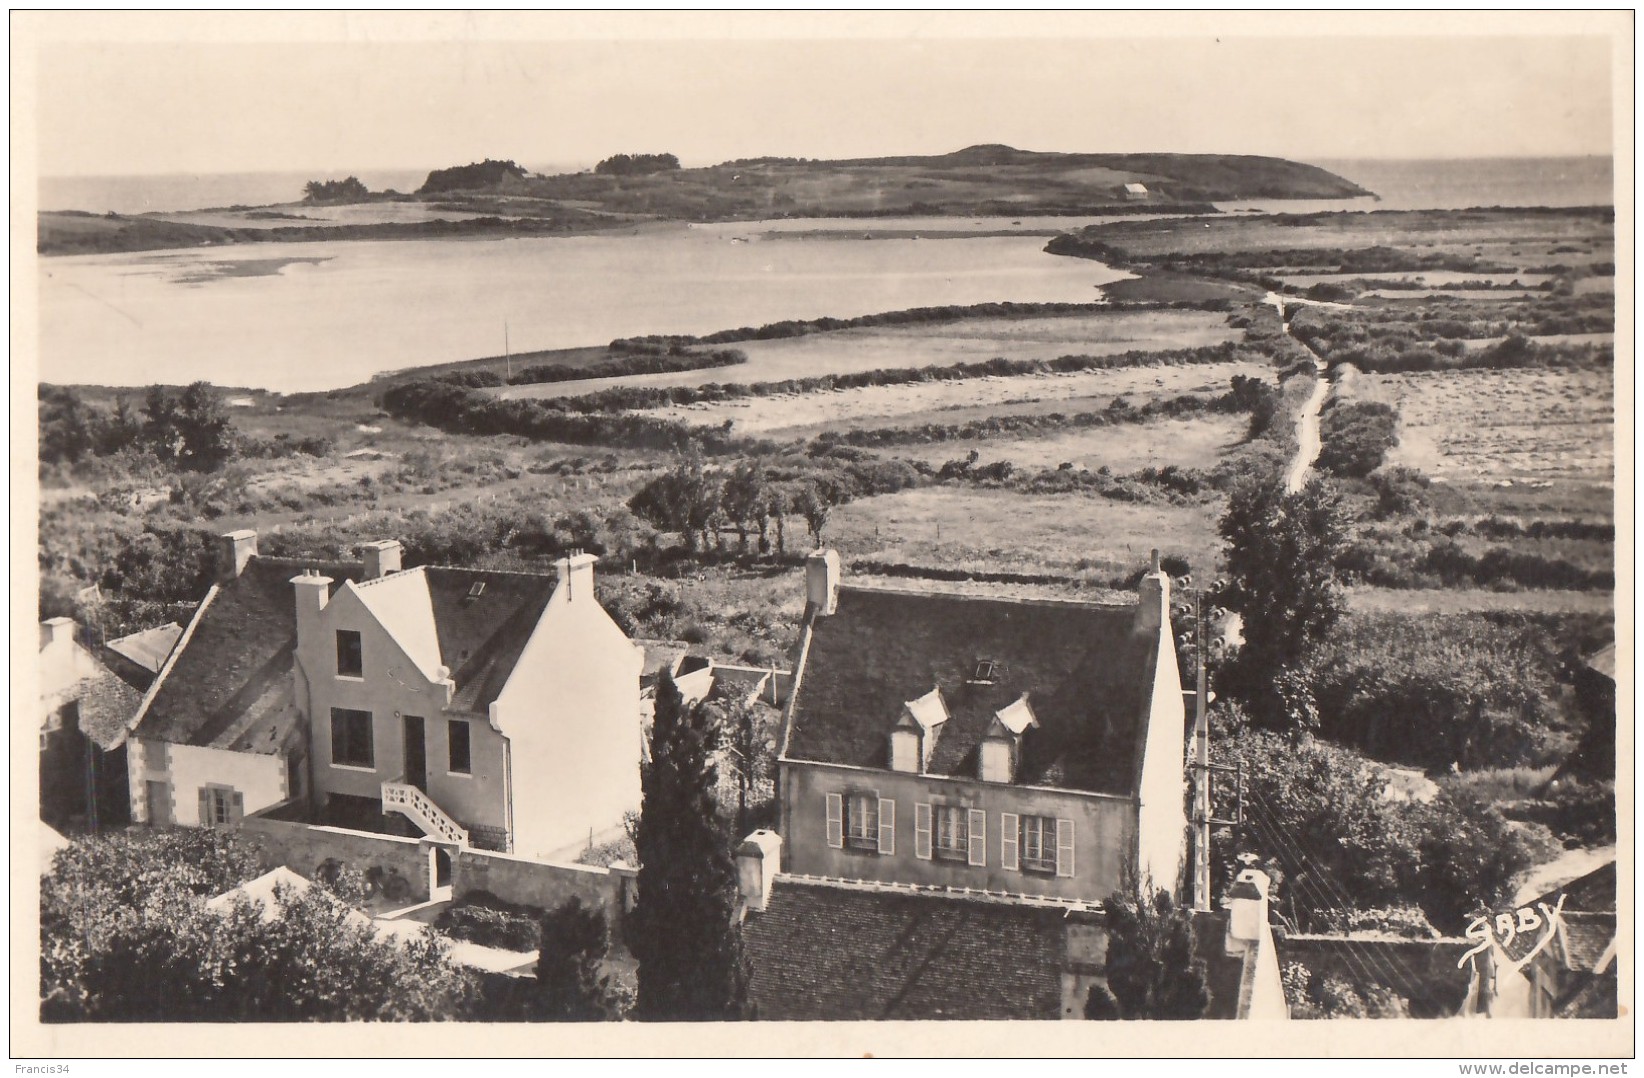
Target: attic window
(477,590)
(987,672)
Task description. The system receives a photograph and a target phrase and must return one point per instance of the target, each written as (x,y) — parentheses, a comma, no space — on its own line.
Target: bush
(1356,436)
(485,919)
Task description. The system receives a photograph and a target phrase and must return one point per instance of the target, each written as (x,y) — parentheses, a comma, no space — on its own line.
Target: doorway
(159,803)
(416,754)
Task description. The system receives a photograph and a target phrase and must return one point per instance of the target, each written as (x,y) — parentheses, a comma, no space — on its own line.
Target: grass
(1199,442)
(942,344)
(1465,600)
(1091,539)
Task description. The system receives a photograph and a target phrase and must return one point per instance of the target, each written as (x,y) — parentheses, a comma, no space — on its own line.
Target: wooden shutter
(978,837)
(836,821)
(921,831)
(236,810)
(1064,848)
(205,807)
(1010,833)
(887,825)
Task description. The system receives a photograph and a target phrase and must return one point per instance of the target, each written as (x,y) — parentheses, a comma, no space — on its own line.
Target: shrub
(1356,436)
(485,919)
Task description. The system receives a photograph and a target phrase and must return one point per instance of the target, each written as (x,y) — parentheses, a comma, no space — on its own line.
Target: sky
(354,96)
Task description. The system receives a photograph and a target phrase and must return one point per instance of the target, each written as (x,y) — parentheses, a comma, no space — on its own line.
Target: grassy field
(1200,442)
(1412,602)
(941,344)
(1513,238)
(1512,427)
(871,407)
(1089,538)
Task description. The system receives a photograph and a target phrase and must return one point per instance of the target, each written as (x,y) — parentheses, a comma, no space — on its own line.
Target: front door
(416,754)
(159,803)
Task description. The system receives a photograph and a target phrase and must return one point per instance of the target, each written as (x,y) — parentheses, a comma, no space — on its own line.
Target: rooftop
(229,681)
(149,648)
(1087,674)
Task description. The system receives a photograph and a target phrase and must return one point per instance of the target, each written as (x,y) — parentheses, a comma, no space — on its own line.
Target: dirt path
(1307,424)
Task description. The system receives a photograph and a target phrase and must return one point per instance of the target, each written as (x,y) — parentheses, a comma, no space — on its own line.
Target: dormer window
(1001,748)
(988,672)
(914,737)
(477,590)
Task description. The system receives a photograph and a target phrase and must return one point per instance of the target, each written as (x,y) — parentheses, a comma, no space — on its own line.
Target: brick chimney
(381,558)
(822,582)
(576,575)
(1153,610)
(757,861)
(234,550)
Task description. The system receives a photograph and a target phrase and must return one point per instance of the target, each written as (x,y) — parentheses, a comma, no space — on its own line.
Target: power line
(1324,886)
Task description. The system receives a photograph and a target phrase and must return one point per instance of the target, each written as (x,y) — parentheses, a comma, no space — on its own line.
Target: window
(351,738)
(220,806)
(952,833)
(987,672)
(461,761)
(350,658)
(1038,844)
(861,820)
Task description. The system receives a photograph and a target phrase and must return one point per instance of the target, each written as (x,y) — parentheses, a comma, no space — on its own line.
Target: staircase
(420,809)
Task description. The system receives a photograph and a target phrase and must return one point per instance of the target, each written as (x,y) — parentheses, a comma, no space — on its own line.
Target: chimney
(822,582)
(381,558)
(55,631)
(757,861)
(1154,591)
(1247,910)
(313,593)
(576,575)
(233,551)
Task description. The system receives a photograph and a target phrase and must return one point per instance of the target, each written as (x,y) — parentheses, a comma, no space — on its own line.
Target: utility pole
(507,356)
(1201,764)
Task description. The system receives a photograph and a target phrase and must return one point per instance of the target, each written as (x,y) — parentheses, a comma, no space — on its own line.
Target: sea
(323,315)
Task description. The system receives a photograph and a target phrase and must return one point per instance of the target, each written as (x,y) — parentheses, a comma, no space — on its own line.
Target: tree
(680,930)
(160,423)
(814,504)
(125,935)
(65,426)
(745,754)
(204,433)
(1153,971)
(349,190)
(743,499)
(569,982)
(684,499)
(1281,559)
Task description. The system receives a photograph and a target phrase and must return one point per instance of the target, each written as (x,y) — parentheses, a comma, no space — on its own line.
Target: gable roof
(234,661)
(227,682)
(830,952)
(1089,676)
(401,604)
(149,648)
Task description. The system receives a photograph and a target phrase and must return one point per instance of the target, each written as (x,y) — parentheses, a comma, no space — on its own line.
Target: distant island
(500,197)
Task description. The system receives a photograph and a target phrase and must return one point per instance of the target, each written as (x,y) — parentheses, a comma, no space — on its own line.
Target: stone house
(487,707)
(1021,746)
(84,709)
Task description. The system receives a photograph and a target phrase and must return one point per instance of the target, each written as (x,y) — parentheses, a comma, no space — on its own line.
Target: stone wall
(537,883)
(397,868)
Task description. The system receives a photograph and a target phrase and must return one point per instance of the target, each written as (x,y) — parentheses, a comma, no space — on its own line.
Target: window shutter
(1010,832)
(887,825)
(921,831)
(205,807)
(978,837)
(236,811)
(1064,848)
(836,821)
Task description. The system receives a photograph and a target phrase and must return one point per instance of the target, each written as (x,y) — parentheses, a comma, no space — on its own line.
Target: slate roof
(230,680)
(234,660)
(1086,674)
(149,648)
(107,704)
(822,952)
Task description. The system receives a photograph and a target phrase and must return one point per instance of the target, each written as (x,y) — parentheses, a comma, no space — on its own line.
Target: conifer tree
(681,930)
